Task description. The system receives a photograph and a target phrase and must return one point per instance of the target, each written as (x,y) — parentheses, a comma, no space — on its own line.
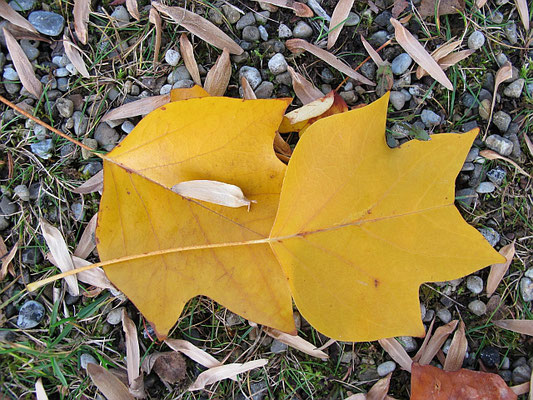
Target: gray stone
(484,109)
(476,40)
(215,16)
(501,59)
(262,17)
(49,81)
(499,144)
(86,359)
(349,96)
(353,19)
(127,126)
(246,20)
(251,33)
(472,154)
(401,130)
(430,118)
(12,88)
(71,69)
(60,60)
(277,64)
(444,315)
(474,284)
(284,32)
(47,23)
(231,13)
(10,74)
(252,75)
(496,175)
(7,207)
(43,149)
(506,363)
(401,63)
(30,314)
(92,168)
(31,52)
(178,74)
(263,33)
(77,210)
(80,123)
(184,83)
(477,307)
(106,136)
(510,33)
(369,374)
(165,89)
(468,166)
(526,289)
(430,314)
(491,235)
(485,187)
(386,368)
(378,38)
(502,120)
(529,273)
(65,107)
(61,72)
(114,317)
(278,347)
(240,58)
(397,99)
(172,57)
(326,75)
(302,30)
(284,79)
(22,5)
(408,343)
(4,223)
(121,14)
(521,374)
(31,256)
(258,391)
(22,192)
(514,89)
(63,84)
(264,90)
(496,17)
(368,70)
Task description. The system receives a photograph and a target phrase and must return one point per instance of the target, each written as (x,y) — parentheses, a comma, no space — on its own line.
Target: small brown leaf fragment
(87,243)
(417,52)
(7,257)
(133,9)
(94,184)
(304,89)
(428,7)
(74,55)
(247,91)
(217,79)
(452,59)
(155,19)
(436,341)
(23,65)
(296,342)
(397,352)
(523,10)
(170,367)
(295,45)
(457,351)
(187,53)
(523,326)
(81,19)
(14,17)
(200,27)
(380,389)
(497,271)
(340,13)
(111,387)
(399,6)
(217,374)
(137,107)
(492,155)
(300,9)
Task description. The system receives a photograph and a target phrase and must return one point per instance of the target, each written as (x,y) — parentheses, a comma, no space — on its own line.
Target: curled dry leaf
(217,374)
(194,353)
(529,143)
(505,72)
(110,386)
(436,342)
(451,59)
(133,9)
(497,271)
(492,155)
(296,45)
(523,10)
(214,192)
(14,17)
(133,356)
(304,89)
(137,107)
(155,18)
(74,55)
(56,243)
(217,79)
(247,91)
(40,393)
(94,184)
(457,351)
(81,19)
(338,18)
(372,53)
(87,243)
(429,7)
(23,65)
(523,326)
(437,54)
(200,27)
(396,351)
(380,389)
(187,53)
(296,342)
(7,257)
(417,52)
(300,9)
(424,344)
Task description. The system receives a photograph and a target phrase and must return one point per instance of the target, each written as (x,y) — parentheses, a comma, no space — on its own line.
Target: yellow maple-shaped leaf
(360,226)
(218,139)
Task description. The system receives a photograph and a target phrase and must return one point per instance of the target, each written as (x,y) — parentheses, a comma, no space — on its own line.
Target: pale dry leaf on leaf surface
(523,388)
(155,18)
(338,18)
(214,192)
(497,271)
(22,65)
(296,342)
(358,396)
(110,386)
(417,52)
(300,9)
(436,342)
(81,19)
(304,89)
(523,326)
(492,155)
(227,371)
(74,55)
(14,17)
(187,54)
(457,351)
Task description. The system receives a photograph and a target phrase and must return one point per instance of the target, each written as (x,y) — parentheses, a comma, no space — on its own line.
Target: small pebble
(252,75)
(397,99)
(184,83)
(401,63)
(349,357)
(263,33)
(22,5)
(77,211)
(31,52)
(31,256)
(502,120)
(499,144)
(4,223)
(408,343)
(232,14)
(114,317)
(352,20)
(86,359)
(476,40)
(444,315)
(262,17)
(60,60)
(526,289)
(43,149)
(10,74)
(46,22)
(496,175)
(92,168)
(106,136)
(215,17)
(485,187)
(284,32)
(277,64)
(474,284)
(430,118)
(514,89)
(386,368)
(246,20)
(511,33)
(477,307)
(491,235)
(127,126)
(278,347)
(484,109)
(496,17)
(61,72)
(430,314)
(178,74)
(65,107)
(264,90)
(172,57)
(71,69)
(121,14)
(30,315)
(22,192)
(326,75)
(165,89)
(63,84)
(302,30)
(490,357)
(251,33)
(521,374)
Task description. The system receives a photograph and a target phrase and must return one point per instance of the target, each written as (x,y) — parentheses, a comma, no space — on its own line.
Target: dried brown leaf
(497,271)
(295,45)
(247,91)
(40,393)
(397,352)
(110,386)
(133,355)
(58,247)
(87,242)
(133,9)
(304,89)
(214,192)
(296,342)
(200,27)
(505,72)
(95,276)
(187,53)
(523,10)
(457,351)
(14,17)
(422,348)
(194,353)
(94,184)
(137,107)
(217,79)
(340,13)
(311,110)
(74,55)
(372,53)
(217,374)
(22,65)
(170,367)
(399,6)
(480,3)
(438,54)
(155,19)
(81,19)
(358,396)
(529,144)
(436,341)
(281,147)
(523,326)
(452,59)
(380,389)
(521,389)
(417,52)
(492,155)
(300,9)
(7,257)
(427,7)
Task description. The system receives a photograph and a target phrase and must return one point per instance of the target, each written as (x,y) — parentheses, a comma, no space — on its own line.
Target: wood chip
(187,53)
(417,52)
(137,107)
(133,9)
(110,386)
(295,45)
(200,27)
(397,353)
(296,342)
(14,17)
(457,351)
(300,9)
(94,184)
(338,18)
(81,19)
(217,374)
(304,89)
(436,341)
(74,55)
(523,326)
(492,155)
(523,11)
(155,19)
(23,65)
(497,271)
(217,79)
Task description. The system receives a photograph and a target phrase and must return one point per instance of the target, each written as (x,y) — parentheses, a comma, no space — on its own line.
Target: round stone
(430,118)
(302,30)
(106,136)
(10,74)
(477,307)
(114,317)
(22,5)
(491,235)
(22,192)
(263,33)
(485,187)
(499,144)
(353,19)
(476,40)
(65,107)
(284,32)
(264,90)
(47,23)
(278,347)
(178,74)
(127,126)
(30,315)
(277,64)
(526,289)
(401,63)
(514,90)
(496,175)
(172,57)
(43,149)
(86,359)
(386,368)
(502,120)
(251,33)
(444,315)
(490,357)
(397,99)
(408,343)
(474,284)
(252,75)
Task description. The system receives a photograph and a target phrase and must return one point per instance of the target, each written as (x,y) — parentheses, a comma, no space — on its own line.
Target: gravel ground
(53,335)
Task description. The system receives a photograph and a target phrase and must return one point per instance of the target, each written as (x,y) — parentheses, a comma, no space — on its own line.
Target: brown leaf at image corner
(429,7)
(431,383)
(169,366)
